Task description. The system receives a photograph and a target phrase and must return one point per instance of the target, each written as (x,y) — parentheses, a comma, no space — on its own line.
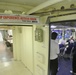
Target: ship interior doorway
(65,31)
(6,44)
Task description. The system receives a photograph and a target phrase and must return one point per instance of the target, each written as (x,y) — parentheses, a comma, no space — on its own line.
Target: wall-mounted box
(39,35)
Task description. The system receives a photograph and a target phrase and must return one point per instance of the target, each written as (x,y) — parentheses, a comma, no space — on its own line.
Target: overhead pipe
(48,19)
(70,9)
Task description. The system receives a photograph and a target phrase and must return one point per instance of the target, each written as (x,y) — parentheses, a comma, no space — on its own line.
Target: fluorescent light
(52,26)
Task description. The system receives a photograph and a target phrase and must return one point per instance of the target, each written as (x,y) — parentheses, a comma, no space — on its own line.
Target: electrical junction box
(39,35)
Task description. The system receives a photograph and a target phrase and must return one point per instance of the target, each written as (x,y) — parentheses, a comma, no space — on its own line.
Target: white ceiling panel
(33,6)
(25,2)
(57,6)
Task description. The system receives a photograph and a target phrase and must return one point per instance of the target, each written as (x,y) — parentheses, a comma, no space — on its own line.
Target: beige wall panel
(27,50)
(41,52)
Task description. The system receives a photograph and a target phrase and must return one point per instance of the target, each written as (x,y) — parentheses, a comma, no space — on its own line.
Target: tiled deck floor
(7,65)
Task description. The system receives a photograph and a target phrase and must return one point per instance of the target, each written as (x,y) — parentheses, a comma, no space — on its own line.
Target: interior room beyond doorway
(65,30)
(6,45)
